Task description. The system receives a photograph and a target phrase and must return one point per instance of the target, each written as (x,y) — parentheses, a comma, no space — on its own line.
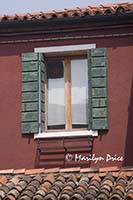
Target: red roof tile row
(67,185)
(113,169)
(77,12)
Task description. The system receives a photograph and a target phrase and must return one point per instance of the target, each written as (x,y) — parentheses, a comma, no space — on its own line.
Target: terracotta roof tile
(50,178)
(115,174)
(52,170)
(13,193)
(127,169)
(19,171)
(6,171)
(72,12)
(109,169)
(89,170)
(21,185)
(69,184)
(93,188)
(129,174)
(75,169)
(10,197)
(34,171)
(3,180)
(45,186)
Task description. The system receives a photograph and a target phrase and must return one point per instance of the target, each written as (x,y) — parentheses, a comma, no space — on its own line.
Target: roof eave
(66,21)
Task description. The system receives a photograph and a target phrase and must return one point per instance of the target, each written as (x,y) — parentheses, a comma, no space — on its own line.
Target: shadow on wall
(128,155)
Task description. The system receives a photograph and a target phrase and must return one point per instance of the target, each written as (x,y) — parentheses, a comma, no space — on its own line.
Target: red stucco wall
(17,151)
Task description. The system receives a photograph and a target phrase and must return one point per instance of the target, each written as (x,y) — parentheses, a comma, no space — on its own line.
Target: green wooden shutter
(98,108)
(33,73)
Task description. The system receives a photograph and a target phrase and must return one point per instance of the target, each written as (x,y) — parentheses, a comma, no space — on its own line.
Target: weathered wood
(43,116)
(29,76)
(42,86)
(98,82)
(43,106)
(99,112)
(100,124)
(98,52)
(29,96)
(43,126)
(100,102)
(98,107)
(29,57)
(98,61)
(29,116)
(99,92)
(29,66)
(33,93)
(33,106)
(46,103)
(30,86)
(42,77)
(29,127)
(98,72)
(42,96)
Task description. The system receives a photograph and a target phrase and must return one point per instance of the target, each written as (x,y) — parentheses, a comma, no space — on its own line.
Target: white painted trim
(68,48)
(66,134)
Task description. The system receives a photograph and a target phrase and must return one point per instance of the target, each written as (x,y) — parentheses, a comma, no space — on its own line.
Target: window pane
(56,106)
(79,81)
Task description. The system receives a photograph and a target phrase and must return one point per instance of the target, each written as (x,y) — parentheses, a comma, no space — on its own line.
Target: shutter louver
(98,108)
(33,69)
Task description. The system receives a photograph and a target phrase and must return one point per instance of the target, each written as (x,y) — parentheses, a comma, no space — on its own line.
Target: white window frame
(65,49)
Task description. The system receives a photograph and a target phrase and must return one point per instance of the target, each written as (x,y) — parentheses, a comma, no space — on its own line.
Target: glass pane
(79,81)
(56,105)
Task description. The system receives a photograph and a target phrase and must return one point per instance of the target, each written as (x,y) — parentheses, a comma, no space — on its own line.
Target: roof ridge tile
(72,169)
(90,170)
(70,12)
(34,171)
(6,171)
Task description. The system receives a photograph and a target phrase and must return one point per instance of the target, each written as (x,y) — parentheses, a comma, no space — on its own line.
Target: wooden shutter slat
(32,86)
(98,72)
(29,116)
(29,96)
(30,106)
(99,112)
(30,66)
(98,62)
(98,108)
(99,92)
(100,102)
(29,57)
(98,52)
(30,127)
(100,124)
(98,82)
(30,76)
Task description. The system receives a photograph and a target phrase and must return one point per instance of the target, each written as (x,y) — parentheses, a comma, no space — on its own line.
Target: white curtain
(79,80)
(56,102)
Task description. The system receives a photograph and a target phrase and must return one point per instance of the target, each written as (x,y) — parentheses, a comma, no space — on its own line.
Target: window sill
(66,134)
